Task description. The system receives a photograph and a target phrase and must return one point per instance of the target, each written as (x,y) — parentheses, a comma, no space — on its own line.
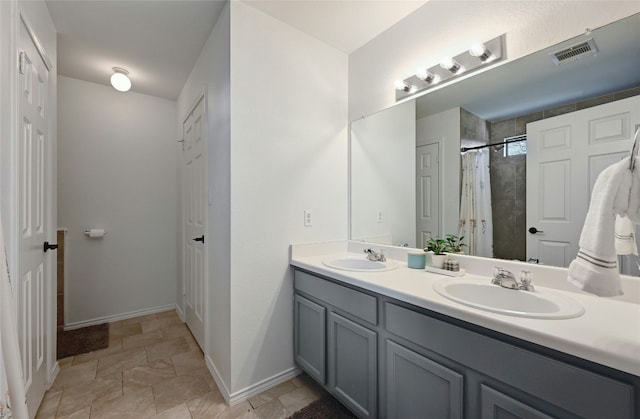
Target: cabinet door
(353,365)
(417,386)
(309,337)
(497,405)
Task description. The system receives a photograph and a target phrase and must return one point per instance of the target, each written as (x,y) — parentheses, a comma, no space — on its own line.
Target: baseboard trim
(263,385)
(180,312)
(116,317)
(217,378)
(53,374)
(242,395)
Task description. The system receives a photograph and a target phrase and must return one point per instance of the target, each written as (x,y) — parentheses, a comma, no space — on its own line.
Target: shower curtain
(12,396)
(475,204)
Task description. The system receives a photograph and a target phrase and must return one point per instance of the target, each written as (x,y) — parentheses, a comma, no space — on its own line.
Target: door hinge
(21,60)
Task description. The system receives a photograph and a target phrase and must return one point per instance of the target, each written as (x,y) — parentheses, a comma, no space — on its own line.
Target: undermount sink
(538,304)
(359,264)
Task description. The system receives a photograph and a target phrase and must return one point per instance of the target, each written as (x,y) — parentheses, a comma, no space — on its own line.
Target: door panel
(194,221)
(496,405)
(420,387)
(352,363)
(34,288)
(427,193)
(310,344)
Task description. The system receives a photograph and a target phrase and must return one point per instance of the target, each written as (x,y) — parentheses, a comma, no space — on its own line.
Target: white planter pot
(437,261)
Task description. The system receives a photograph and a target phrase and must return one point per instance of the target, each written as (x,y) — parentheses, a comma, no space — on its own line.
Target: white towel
(595,269)
(625,236)
(12,396)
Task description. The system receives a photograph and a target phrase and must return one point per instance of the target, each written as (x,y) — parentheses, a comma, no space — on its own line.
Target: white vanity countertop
(607,333)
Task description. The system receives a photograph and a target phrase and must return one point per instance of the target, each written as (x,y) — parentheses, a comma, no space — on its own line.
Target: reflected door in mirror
(565,156)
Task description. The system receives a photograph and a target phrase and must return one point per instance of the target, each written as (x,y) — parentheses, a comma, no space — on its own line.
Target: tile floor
(153,368)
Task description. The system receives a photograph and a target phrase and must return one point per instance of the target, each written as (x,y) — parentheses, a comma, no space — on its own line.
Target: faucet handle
(496,275)
(526,281)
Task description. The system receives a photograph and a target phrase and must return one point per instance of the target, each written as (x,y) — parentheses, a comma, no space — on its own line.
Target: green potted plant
(438,247)
(454,243)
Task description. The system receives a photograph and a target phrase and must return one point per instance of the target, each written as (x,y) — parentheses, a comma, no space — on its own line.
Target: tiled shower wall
(508,176)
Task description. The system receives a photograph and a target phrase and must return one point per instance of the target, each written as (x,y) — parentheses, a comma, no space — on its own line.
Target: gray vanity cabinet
(384,358)
(335,340)
(309,350)
(353,364)
(417,386)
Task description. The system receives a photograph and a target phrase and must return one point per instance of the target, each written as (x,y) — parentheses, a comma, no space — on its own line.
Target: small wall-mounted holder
(95,233)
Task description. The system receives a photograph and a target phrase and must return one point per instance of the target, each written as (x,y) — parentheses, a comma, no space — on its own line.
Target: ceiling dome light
(119,79)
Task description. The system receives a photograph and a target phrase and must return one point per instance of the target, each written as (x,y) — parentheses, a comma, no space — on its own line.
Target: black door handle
(46,246)
(199,239)
(534,230)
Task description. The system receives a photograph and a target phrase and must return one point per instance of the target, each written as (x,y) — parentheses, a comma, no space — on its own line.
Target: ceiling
(159,41)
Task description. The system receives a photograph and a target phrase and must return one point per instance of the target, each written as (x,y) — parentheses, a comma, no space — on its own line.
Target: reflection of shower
(476,223)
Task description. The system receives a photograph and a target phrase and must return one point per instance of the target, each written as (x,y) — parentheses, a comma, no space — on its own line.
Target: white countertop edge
(608,343)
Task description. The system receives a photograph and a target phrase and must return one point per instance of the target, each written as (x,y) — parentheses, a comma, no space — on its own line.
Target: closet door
(194,221)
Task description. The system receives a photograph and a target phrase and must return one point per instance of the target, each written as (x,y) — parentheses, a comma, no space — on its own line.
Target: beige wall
(116,170)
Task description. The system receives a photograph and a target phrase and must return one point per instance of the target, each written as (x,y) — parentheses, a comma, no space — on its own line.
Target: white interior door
(34,294)
(194,221)
(565,155)
(427,193)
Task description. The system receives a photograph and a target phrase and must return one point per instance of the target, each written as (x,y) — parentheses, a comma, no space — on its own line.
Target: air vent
(583,49)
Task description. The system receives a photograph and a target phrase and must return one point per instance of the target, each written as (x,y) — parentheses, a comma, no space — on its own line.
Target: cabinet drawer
(359,304)
(579,391)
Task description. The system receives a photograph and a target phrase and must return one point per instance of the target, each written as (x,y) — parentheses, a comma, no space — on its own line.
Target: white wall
(446,28)
(382,144)
(117,171)
(288,154)
(211,73)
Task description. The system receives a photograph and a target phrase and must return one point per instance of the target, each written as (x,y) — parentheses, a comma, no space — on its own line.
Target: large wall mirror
(556,126)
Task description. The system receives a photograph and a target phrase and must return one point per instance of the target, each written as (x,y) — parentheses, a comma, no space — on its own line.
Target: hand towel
(595,269)
(625,236)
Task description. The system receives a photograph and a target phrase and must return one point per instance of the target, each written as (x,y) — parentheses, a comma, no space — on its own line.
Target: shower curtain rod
(516,139)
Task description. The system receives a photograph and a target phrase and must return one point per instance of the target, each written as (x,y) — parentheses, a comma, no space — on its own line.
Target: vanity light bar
(480,55)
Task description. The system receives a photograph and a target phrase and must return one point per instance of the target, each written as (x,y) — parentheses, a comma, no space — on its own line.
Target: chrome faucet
(375,256)
(504,278)
(507,279)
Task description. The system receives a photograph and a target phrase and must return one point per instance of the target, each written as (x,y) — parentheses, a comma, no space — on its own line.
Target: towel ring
(634,151)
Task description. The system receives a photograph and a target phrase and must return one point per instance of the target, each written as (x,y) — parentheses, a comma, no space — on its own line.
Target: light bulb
(428,77)
(119,79)
(450,64)
(400,85)
(480,51)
